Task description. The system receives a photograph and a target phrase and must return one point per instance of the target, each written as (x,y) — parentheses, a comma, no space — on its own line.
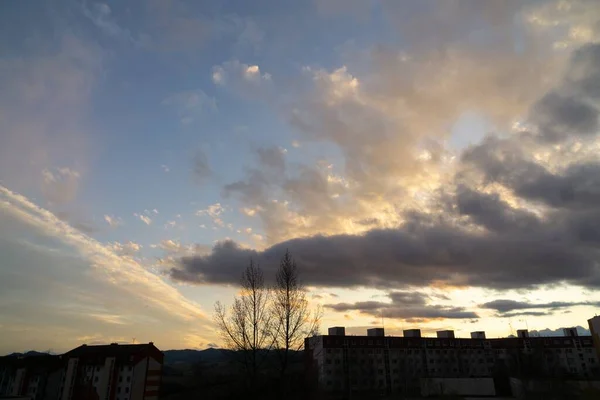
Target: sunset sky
(434,163)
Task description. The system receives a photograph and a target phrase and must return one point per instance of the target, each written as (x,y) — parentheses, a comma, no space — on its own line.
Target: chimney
(337,331)
(375,332)
(445,334)
(522,333)
(478,335)
(416,333)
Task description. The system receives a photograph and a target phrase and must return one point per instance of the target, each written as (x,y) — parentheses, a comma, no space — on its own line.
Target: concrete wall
(458,386)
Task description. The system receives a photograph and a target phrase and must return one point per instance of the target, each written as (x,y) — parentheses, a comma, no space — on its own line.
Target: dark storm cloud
(505,305)
(559,116)
(405,305)
(421,252)
(502,161)
(584,75)
(490,211)
(569,110)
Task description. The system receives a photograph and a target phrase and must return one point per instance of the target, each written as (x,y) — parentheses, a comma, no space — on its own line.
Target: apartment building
(112,372)
(389,364)
(105,372)
(36,377)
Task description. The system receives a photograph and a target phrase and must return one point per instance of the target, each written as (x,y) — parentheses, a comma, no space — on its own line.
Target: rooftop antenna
(133,340)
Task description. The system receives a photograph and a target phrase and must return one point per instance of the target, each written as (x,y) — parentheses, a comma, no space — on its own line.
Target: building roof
(121,351)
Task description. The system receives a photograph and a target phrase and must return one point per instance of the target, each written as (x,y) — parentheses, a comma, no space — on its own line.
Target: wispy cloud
(100,14)
(113,221)
(122,272)
(239,76)
(144,218)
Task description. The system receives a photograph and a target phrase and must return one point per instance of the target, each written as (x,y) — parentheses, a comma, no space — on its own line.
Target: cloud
(240,77)
(100,14)
(505,306)
(191,105)
(128,248)
(43,107)
(272,157)
(60,185)
(144,218)
(425,250)
(165,168)
(391,128)
(113,221)
(405,305)
(526,314)
(213,210)
(172,27)
(509,212)
(81,284)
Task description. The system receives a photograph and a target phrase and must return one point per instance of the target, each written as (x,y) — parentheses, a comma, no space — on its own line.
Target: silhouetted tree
(292,317)
(246,326)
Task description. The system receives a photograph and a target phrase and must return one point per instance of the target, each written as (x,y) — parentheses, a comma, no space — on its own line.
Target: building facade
(36,377)
(387,364)
(106,372)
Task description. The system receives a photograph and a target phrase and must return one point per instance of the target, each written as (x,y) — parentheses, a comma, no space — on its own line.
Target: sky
(429,164)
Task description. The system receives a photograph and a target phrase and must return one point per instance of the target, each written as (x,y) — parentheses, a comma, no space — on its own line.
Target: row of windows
(444,343)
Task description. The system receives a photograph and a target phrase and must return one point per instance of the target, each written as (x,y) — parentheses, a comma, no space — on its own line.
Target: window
(119,389)
(128,379)
(120,379)
(96,379)
(129,368)
(126,390)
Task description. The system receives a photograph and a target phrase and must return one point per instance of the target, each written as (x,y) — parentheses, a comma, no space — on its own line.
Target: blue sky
(133,134)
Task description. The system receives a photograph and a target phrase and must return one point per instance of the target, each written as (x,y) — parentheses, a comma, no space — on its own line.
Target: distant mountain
(31,353)
(581,331)
(194,356)
(211,356)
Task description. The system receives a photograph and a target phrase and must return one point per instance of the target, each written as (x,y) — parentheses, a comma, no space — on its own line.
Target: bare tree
(246,327)
(293,319)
